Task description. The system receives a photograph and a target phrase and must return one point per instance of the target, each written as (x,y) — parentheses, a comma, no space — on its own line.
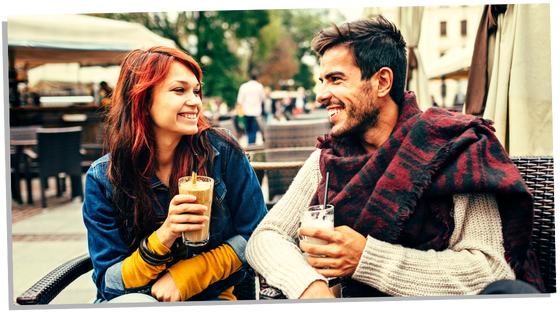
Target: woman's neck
(165,150)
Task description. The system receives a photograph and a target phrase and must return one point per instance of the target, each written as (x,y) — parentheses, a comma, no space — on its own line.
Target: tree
(281,65)
(283,44)
(217,36)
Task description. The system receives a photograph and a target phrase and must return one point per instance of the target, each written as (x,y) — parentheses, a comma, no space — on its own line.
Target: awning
(38,39)
(454,64)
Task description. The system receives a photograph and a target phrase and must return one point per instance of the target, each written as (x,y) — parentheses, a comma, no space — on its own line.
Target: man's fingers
(319,233)
(330,272)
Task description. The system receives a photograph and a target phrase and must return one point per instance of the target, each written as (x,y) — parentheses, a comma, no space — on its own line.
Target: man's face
(349,99)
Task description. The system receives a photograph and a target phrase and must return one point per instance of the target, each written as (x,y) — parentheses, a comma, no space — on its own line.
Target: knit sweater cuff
(379,260)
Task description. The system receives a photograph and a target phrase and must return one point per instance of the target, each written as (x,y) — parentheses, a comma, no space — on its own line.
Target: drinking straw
(195,169)
(326,191)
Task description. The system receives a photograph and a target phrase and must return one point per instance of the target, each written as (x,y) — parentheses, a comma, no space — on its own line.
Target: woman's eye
(179,90)
(197,92)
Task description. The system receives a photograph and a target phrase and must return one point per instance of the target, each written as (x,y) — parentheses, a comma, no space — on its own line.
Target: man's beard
(359,117)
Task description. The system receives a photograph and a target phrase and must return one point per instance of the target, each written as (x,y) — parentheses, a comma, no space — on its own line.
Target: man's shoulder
(254,83)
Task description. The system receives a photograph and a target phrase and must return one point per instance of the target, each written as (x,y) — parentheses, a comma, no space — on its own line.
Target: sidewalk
(44,239)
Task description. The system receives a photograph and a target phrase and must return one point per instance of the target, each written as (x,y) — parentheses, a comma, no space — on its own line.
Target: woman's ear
(385,81)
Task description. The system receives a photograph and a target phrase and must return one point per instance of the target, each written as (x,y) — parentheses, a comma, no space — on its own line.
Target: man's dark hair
(374,43)
(254,75)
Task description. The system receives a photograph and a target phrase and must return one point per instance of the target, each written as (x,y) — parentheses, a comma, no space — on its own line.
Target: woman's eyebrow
(184,82)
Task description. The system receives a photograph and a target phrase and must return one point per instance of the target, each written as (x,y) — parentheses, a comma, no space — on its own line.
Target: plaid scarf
(402,193)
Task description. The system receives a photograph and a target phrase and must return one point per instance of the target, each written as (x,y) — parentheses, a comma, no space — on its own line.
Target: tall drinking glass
(320,217)
(202,190)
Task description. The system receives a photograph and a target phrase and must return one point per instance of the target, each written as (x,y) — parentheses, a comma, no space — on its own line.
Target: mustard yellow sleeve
(194,275)
(228,295)
(136,272)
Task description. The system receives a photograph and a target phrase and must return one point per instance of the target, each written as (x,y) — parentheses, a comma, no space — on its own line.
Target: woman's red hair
(131,141)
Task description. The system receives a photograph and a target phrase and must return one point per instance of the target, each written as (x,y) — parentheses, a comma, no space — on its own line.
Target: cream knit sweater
(474,259)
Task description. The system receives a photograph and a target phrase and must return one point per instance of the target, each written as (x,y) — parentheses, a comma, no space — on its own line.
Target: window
(464,28)
(442,29)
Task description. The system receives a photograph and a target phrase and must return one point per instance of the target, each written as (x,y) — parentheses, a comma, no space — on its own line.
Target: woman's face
(176,104)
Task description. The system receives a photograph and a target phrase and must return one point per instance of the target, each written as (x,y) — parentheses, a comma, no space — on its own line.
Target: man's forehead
(339,59)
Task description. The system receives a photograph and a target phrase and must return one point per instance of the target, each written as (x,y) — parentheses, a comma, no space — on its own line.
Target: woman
(132,210)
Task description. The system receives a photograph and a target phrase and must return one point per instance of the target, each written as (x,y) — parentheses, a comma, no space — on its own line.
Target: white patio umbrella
(454,64)
(519,97)
(63,38)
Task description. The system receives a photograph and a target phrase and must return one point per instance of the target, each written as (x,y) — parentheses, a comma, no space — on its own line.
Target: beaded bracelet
(150,257)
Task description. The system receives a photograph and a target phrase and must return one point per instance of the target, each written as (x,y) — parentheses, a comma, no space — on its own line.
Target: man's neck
(372,139)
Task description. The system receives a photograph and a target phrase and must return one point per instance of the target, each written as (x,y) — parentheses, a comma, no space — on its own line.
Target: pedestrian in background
(268,106)
(300,101)
(251,97)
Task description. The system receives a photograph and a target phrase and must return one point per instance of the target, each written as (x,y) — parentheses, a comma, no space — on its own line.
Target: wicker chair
(92,151)
(59,152)
(46,289)
(287,146)
(538,174)
(23,159)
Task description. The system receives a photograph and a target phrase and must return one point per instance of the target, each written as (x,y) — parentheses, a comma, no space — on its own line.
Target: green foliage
(231,44)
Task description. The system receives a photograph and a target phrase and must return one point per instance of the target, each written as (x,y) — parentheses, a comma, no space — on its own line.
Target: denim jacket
(237,208)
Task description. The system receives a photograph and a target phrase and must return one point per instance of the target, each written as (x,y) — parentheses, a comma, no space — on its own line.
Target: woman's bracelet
(150,257)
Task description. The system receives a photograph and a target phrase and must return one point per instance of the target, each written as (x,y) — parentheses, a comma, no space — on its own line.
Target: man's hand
(317,290)
(342,254)
(165,289)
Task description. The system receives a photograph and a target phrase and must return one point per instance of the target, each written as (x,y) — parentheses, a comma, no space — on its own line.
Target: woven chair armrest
(276,165)
(267,292)
(46,289)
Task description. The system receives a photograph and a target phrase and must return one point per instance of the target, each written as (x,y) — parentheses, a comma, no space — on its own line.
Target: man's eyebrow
(333,73)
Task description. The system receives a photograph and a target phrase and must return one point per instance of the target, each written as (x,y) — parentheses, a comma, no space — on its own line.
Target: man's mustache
(333,102)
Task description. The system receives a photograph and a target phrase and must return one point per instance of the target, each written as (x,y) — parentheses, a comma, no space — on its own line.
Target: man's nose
(323,96)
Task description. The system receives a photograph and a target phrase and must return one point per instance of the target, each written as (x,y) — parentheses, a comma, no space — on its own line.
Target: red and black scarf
(402,193)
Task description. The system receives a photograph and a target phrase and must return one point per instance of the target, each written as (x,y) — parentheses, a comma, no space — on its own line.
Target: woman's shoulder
(101,162)
(99,167)
(221,138)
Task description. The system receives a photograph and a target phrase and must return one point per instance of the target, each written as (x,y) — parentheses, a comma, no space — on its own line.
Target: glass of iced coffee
(320,217)
(202,189)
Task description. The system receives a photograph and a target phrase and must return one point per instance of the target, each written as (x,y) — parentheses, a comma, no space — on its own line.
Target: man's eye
(334,79)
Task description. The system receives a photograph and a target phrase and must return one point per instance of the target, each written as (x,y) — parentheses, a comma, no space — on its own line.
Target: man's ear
(385,81)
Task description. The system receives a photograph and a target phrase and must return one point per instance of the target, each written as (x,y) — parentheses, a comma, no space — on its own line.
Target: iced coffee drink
(320,217)
(202,190)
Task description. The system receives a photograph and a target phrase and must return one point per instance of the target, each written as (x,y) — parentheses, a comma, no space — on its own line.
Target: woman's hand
(165,289)
(183,216)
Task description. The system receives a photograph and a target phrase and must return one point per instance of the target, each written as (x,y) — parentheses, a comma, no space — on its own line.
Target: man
(425,203)
(250,98)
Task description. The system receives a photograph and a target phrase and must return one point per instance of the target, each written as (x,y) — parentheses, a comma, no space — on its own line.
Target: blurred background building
(445,45)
